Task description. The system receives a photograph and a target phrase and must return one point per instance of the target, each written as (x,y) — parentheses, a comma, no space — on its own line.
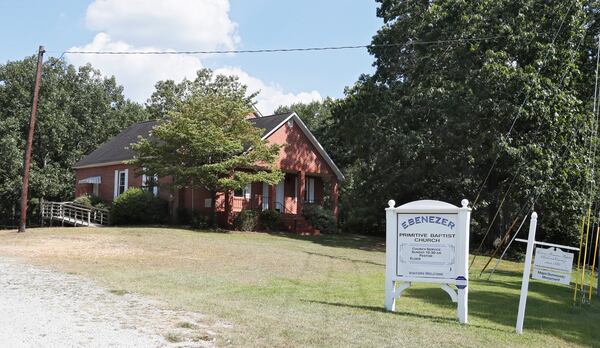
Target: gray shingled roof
(268,123)
(117,148)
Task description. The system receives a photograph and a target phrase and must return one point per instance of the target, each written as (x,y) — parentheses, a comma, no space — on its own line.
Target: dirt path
(45,308)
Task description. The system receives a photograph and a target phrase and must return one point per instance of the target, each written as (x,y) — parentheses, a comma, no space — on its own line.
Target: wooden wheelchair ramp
(69,213)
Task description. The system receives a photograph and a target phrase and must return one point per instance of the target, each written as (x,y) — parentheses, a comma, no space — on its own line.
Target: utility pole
(27,160)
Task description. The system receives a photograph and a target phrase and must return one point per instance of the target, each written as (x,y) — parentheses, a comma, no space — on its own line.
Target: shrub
(245,220)
(136,206)
(90,201)
(200,221)
(270,219)
(102,205)
(83,200)
(184,216)
(321,218)
(192,218)
(98,202)
(361,221)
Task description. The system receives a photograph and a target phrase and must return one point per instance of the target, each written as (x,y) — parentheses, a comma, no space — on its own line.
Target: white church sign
(427,241)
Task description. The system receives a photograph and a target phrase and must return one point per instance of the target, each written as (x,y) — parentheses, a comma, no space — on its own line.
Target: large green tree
(170,96)
(78,110)
(205,141)
(316,114)
(464,86)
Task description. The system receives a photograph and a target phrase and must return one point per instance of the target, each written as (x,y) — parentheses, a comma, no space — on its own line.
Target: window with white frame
(309,192)
(121,181)
(150,184)
(246,192)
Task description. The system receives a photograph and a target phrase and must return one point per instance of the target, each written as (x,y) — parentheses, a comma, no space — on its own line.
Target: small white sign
(553,258)
(553,265)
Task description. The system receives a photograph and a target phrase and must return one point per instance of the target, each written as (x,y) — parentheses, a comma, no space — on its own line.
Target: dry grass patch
(186,325)
(286,290)
(173,337)
(118,292)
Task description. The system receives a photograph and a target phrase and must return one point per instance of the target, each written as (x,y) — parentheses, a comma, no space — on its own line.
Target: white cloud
(271,95)
(178,24)
(163,25)
(137,73)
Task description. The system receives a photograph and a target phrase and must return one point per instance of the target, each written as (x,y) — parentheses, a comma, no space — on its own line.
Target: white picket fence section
(74,214)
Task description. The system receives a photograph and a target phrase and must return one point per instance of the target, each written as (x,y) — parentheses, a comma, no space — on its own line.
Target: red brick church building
(308,172)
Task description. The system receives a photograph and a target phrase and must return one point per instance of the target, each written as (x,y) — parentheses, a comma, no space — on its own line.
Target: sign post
(526,272)
(428,241)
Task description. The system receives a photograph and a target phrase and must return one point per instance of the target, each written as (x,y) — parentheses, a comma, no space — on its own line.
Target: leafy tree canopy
(78,110)
(434,118)
(316,114)
(171,96)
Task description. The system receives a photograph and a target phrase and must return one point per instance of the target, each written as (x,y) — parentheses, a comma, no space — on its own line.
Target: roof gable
(311,138)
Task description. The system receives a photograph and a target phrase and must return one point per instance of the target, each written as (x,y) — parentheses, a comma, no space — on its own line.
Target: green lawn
(287,290)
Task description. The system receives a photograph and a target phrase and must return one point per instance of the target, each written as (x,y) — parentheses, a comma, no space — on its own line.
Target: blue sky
(206,25)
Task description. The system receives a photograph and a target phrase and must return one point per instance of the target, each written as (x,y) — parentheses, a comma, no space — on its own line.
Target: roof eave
(102,164)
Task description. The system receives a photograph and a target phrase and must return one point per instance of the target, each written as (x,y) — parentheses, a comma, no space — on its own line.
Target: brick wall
(297,153)
(107,185)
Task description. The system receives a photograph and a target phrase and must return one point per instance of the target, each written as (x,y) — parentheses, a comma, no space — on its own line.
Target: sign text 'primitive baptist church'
(427,241)
(430,252)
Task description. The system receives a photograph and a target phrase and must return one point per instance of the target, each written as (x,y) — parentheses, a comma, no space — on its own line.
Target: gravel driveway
(45,308)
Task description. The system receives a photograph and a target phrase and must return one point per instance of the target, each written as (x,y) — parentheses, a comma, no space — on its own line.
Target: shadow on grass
(351,241)
(550,312)
(553,314)
(343,258)
(549,309)
(381,309)
(556,292)
(433,318)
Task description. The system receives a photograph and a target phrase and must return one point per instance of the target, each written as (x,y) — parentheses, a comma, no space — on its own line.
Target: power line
(283,50)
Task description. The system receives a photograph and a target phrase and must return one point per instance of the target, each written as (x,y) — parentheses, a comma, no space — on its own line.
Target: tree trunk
(40,212)
(213,209)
